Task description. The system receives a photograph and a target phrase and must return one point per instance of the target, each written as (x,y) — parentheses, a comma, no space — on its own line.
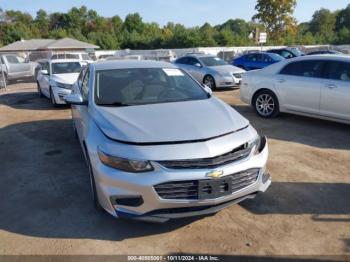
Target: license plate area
(209,189)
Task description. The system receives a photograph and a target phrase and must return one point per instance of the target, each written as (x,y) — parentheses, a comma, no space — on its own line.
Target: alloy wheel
(209,81)
(265,104)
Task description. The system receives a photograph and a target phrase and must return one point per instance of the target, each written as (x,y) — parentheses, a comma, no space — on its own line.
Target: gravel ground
(46,209)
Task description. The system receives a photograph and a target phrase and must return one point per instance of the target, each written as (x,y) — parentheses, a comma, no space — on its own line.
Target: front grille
(189,189)
(237,154)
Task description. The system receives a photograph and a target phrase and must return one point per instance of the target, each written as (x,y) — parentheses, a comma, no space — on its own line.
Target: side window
(2,60)
(266,59)
(304,68)
(251,58)
(12,59)
(46,66)
(85,85)
(338,71)
(182,60)
(192,61)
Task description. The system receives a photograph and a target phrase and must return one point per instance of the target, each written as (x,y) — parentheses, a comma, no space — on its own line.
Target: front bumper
(112,183)
(59,94)
(228,81)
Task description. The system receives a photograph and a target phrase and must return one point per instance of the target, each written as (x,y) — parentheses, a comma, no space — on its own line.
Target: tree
(277,17)
(322,25)
(343,18)
(42,23)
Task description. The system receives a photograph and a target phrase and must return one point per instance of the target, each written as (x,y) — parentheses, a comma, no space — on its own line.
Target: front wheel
(209,81)
(94,195)
(39,89)
(52,98)
(266,104)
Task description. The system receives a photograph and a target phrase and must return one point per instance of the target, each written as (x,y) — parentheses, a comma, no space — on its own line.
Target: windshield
(213,61)
(86,57)
(66,67)
(296,52)
(126,87)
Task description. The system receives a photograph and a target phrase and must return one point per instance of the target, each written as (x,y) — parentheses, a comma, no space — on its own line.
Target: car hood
(65,78)
(169,122)
(228,69)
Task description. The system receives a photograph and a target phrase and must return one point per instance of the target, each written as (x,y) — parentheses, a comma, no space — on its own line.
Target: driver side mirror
(207,89)
(197,65)
(44,72)
(75,99)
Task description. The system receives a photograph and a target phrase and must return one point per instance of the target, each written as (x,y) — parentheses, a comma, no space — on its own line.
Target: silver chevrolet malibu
(159,146)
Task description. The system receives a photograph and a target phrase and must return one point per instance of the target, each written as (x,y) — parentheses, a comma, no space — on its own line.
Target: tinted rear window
(338,71)
(304,68)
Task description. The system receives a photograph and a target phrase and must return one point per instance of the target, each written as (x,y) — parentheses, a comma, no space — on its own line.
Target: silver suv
(211,70)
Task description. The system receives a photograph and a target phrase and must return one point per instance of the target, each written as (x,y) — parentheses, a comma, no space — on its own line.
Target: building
(42,48)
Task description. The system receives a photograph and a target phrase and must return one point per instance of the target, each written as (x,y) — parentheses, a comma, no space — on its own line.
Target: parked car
(287,53)
(316,86)
(325,52)
(56,78)
(159,146)
(210,70)
(256,60)
(15,67)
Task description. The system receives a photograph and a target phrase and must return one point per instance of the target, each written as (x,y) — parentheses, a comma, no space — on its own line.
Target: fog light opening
(132,201)
(265,177)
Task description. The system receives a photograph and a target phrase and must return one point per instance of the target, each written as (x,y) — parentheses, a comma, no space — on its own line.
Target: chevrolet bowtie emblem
(215,174)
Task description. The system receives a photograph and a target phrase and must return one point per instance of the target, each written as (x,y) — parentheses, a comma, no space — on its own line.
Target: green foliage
(277,17)
(274,16)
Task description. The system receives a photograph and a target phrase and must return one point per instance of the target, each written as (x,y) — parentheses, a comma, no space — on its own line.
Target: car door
(80,112)
(44,79)
(195,68)
(252,61)
(265,60)
(17,67)
(299,86)
(335,93)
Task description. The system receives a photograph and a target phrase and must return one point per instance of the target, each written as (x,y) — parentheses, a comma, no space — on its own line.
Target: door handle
(331,86)
(281,80)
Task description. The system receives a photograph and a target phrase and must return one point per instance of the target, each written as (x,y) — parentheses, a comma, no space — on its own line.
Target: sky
(187,12)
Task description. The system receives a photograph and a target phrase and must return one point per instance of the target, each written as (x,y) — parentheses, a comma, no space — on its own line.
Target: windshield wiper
(116,104)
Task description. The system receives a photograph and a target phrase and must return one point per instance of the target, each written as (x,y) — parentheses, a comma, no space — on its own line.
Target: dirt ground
(45,205)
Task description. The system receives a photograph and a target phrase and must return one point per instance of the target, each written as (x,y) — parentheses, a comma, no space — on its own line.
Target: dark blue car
(256,60)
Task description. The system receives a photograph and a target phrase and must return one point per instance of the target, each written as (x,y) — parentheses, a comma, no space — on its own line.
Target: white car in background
(316,86)
(82,57)
(56,78)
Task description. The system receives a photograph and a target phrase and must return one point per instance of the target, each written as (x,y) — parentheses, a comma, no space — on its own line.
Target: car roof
(124,64)
(52,61)
(257,53)
(199,55)
(323,56)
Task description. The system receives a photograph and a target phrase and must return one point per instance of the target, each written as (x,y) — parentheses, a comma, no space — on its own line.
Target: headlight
(61,85)
(225,74)
(237,75)
(258,144)
(127,165)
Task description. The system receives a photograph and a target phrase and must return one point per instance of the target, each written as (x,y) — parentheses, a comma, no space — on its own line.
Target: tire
(39,89)
(7,81)
(209,81)
(95,201)
(266,104)
(52,98)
